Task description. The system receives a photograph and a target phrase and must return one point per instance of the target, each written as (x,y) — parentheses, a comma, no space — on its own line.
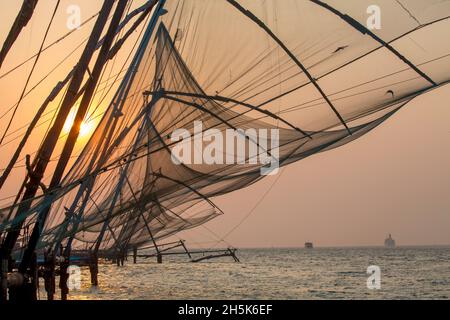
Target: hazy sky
(396,179)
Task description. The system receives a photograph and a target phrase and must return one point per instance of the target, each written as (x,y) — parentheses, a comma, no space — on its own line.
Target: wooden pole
(57,89)
(3,278)
(74,131)
(49,143)
(88,94)
(64,272)
(185,249)
(34,272)
(152,25)
(135,250)
(49,274)
(93,267)
(25,14)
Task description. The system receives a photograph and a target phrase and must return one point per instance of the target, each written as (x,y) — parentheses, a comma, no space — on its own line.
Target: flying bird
(340,49)
(391,93)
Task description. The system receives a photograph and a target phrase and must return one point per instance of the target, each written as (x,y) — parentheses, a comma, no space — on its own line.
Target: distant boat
(389,242)
(309,245)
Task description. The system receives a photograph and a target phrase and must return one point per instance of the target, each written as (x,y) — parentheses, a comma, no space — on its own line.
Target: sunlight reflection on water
(323,273)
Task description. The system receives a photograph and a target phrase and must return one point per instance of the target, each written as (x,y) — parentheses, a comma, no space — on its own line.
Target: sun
(86,126)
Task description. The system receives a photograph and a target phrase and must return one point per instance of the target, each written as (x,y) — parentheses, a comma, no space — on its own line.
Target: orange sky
(394,180)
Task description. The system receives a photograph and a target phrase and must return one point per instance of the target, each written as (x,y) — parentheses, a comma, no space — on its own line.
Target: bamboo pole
(24,15)
(57,89)
(158,11)
(118,103)
(74,131)
(51,139)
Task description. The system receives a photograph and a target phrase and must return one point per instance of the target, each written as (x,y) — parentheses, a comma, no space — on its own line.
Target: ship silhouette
(389,242)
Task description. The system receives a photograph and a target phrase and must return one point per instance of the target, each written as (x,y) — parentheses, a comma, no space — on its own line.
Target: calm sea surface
(322,273)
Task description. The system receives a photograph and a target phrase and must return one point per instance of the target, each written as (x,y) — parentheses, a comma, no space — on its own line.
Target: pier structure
(48,266)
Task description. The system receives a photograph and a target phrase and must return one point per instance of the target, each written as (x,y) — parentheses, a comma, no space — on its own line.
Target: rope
(31,72)
(48,47)
(253,209)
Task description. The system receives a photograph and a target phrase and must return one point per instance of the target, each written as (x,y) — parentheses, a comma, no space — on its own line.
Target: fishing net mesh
(301,67)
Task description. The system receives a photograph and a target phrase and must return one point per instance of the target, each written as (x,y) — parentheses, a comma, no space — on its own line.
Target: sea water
(297,273)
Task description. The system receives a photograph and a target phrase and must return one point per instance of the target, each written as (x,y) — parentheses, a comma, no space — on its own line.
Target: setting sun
(85,128)
(224,158)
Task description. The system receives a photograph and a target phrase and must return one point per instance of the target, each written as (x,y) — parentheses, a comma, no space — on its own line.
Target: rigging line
(279,66)
(360,57)
(431,88)
(51,160)
(305,51)
(365,83)
(53,118)
(141,76)
(261,79)
(52,95)
(257,204)
(193,180)
(116,40)
(304,85)
(261,24)
(247,105)
(101,213)
(126,61)
(168,145)
(47,47)
(162,176)
(217,239)
(10,166)
(121,26)
(187,30)
(27,124)
(167,60)
(191,112)
(107,168)
(159,7)
(408,12)
(117,163)
(23,17)
(253,209)
(364,30)
(208,200)
(145,15)
(45,77)
(80,212)
(176,121)
(31,72)
(170,43)
(113,52)
(39,124)
(225,122)
(356,59)
(381,107)
(305,104)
